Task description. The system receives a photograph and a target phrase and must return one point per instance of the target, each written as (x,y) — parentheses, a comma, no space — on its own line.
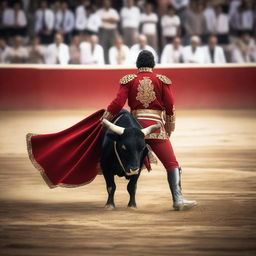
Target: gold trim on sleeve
(164,79)
(145,69)
(107,115)
(127,78)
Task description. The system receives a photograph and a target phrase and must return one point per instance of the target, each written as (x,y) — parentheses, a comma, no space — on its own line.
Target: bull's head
(130,143)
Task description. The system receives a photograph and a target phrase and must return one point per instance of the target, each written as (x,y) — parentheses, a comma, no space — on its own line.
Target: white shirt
(135,50)
(189,56)
(178,4)
(170,25)
(94,22)
(81,20)
(244,20)
(20,52)
(9,18)
(48,19)
(218,56)
(88,57)
(64,20)
(222,24)
(171,55)
(210,18)
(149,28)
(119,57)
(130,17)
(57,54)
(5,54)
(107,14)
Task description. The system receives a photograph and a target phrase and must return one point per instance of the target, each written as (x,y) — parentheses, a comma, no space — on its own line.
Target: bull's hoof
(132,206)
(109,207)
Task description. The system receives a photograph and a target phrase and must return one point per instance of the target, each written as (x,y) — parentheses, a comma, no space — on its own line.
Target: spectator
(5,51)
(7,19)
(108,31)
(170,23)
(210,18)
(193,53)
(195,23)
(130,16)
(172,52)
(149,20)
(245,50)
(36,51)
(65,22)
(91,52)
(74,50)
(93,21)
(19,20)
(44,23)
(119,53)
(57,52)
(222,26)
(81,16)
(213,53)
(137,48)
(18,54)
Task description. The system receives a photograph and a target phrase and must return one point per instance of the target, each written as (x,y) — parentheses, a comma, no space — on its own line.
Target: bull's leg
(111,188)
(131,187)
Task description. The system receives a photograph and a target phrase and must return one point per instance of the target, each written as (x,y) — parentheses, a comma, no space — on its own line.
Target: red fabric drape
(70,157)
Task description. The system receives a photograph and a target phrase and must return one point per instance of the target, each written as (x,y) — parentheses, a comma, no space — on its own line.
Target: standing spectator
(36,51)
(221,26)
(108,31)
(74,50)
(65,22)
(119,53)
(81,16)
(91,52)
(44,23)
(210,18)
(137,48)
(245,50)
(57,52)
(193,53)
(170,23)
(213,53)
(18,54)
(195,23)
(172,52)
(93,21)
(19,20)
(5,51)
(130,17)
(7,19)
(149,20)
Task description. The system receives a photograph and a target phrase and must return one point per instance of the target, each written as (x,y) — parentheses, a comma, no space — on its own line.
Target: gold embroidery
(164,79)
(107,115)
(146,93)
(127,78)
(145,69)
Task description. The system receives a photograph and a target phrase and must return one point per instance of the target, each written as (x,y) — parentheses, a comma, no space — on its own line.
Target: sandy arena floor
(217,151)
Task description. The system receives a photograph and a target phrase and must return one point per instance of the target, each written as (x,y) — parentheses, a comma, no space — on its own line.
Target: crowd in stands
(114,32)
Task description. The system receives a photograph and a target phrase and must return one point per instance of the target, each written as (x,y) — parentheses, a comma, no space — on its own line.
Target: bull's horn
(113,127)
(150,129)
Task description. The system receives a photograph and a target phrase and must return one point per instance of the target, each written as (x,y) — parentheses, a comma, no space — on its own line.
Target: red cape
(68,158)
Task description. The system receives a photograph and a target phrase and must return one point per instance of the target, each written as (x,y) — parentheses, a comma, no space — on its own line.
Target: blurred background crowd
(114,32)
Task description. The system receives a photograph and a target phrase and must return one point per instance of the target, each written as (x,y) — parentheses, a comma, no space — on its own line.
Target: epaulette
(127,78)
(164,79)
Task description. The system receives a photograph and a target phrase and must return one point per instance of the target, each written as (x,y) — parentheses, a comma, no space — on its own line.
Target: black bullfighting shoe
(179,202)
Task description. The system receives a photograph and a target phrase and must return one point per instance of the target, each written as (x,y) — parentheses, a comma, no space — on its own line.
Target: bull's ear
(113,136)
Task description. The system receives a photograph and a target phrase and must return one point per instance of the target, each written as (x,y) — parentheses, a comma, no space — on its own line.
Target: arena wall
(59,87)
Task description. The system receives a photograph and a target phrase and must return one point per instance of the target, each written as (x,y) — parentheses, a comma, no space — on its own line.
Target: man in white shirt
(221,27)
(81,16)
(58,52)
(137,48)
(172,52)
(170,23)
(19,20)
(193,53)
(44,23)
(130,17)
(5,51)
(119,53)
(65,22)
(91,52)
(93,20)
(149,20)
(213,53)
(108,30)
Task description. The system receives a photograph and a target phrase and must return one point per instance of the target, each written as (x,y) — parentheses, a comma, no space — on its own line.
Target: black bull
(124,150)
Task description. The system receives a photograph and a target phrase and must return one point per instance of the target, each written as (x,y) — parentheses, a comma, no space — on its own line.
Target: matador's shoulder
(127,78)
(164,79)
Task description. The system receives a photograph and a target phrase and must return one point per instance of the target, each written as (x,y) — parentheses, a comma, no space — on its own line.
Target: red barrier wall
(29,87)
